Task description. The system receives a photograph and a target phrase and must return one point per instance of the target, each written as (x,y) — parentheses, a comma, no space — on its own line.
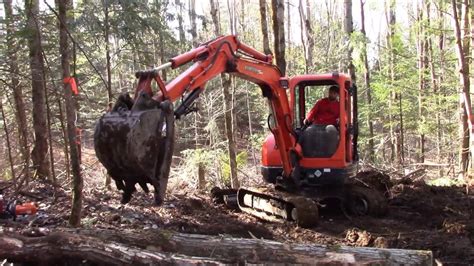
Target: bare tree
(180,13)
(349,28)
(65,7)
(288,25)
(192,19)
(306,33)
(264,26)
(201,170)
(396,129)
(226,84)
(422,65)
(7,138)
(463,51)
(440,79)
(108,68)
(278,7)
(40,150)
(20,112)
(370,123)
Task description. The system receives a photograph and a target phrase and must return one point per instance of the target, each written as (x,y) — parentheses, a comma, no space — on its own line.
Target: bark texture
(65,7)
(306,34)
(349,28)
(40,127)
(226,85)
(20,112)
(422,65)
(278,7)
(264,27)
(7,138)
(370,123)
(463,49)
(111,247)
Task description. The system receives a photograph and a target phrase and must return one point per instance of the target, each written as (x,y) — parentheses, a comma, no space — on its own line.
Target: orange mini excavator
(307,165)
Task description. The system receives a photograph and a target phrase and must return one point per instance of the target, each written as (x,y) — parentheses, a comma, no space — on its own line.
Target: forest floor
(420,217)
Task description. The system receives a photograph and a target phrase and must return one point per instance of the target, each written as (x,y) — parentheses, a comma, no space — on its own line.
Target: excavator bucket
(135,146)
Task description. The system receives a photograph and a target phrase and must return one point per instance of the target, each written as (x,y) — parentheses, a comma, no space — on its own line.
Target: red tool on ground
(12,209)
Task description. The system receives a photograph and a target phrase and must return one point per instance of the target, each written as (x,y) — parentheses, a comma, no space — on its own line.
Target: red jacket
(324,112)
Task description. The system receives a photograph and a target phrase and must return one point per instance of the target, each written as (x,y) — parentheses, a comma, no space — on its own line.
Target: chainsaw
(12,209)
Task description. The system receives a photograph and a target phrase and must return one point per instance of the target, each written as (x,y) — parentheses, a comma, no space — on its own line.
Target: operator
(326,110)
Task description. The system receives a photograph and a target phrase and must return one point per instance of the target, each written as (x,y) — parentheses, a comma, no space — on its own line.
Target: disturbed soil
(440,219)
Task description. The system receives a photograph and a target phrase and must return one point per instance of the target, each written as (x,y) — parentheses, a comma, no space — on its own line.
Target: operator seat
(319,141)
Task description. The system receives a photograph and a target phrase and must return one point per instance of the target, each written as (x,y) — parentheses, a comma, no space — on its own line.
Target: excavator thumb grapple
(135,144)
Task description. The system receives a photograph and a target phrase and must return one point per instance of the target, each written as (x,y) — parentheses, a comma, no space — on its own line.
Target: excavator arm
(134,141)
(227,54)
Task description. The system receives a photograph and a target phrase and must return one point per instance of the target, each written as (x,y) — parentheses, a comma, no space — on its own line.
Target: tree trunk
(370,123)
(201,169)
(278,7)
(110,247)
(108,179)
(304,38)
(192,19)
(48,119)
(226,84)
(264,27)
(65,11)
(232,18)
(349,28)
(162,56)
(249,117)
(441,76)
(247,97)
(396,132)
(399,134)
(288,27)
(463,49)
(40,149)
(309,35)
(65,137)
(430,57)
(182,37)
(20,112)
(7,138)
(306,34)
(421,40)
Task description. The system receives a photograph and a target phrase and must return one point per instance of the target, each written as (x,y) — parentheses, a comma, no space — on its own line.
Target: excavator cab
(329,152)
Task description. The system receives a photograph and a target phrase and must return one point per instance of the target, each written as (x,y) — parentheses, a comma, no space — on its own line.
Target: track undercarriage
(302,206)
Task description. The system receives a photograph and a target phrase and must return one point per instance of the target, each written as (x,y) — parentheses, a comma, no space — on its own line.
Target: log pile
(106,247)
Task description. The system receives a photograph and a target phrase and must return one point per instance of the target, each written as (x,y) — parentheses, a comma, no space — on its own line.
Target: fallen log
(61,248)
(160,246)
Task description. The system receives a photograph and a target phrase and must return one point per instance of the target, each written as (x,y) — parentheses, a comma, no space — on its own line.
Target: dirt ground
(440,219)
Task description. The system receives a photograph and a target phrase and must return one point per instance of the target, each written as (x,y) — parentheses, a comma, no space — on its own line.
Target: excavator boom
(133,140)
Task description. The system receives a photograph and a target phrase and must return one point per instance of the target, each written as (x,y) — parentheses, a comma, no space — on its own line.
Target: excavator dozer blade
(136,147)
